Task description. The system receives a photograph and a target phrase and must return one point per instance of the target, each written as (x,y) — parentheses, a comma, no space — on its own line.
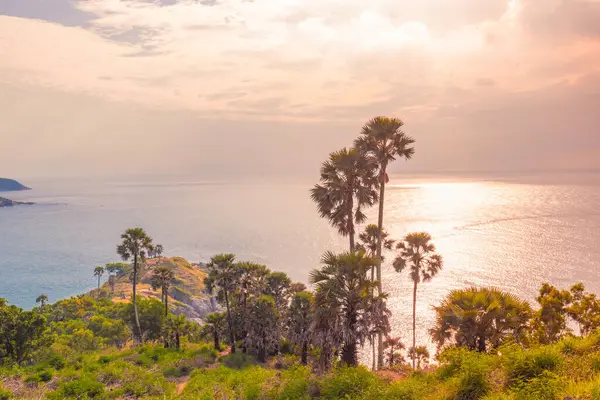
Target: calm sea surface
(510,232)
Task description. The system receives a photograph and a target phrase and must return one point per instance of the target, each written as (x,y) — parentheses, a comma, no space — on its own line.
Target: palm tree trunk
(230,323)
(166,297)
(304,354)
(135,309)
(414,323)
(98,285)
(379,247)
(351,222)
(216,340)
(374,353)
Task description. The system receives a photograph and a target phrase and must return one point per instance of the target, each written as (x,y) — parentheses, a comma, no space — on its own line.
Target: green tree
(158,251)
(135,245)
(42,299)
(98,272)
(224,274)
(260,325)
(393,345)
(480,319)
(584,309)
(299,320)
(382,139)
(347,311)
(417,253)
(161,279)
(150,316)
(214,325)
(21,332)
(345,188)
(279,287)
(549,323)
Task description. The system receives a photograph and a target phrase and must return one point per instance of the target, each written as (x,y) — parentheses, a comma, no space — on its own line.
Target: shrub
(5,394)
(349,382)
(524,365)
(42,376)
(543,387)
(57,362)
(82,388)
(238,361)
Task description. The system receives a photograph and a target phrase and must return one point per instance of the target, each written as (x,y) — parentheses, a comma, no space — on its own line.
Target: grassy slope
(188,283)
(569,368)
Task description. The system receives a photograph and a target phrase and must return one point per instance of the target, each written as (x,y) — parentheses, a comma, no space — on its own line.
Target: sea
(513,231)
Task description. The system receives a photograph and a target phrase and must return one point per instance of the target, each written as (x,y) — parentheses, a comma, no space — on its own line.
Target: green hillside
(7,185)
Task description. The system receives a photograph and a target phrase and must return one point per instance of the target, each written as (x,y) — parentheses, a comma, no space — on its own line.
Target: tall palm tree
(224,273)
(252,282)
(175,327)
(383,139)
(368,242)
(418,254)
(135,245)
(42,299)
(346,186)
(419,353)
(99,271)
(161,279)
(343,288)
(300,315)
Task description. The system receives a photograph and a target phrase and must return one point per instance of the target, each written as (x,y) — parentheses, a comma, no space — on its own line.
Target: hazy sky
(222,87)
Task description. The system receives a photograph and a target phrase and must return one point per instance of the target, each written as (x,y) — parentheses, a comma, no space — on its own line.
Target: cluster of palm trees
(353,179)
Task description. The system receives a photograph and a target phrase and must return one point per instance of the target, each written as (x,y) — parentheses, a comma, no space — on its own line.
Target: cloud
(459,72)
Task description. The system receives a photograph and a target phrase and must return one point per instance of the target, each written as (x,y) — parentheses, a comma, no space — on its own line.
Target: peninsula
(10,185)
(4,202)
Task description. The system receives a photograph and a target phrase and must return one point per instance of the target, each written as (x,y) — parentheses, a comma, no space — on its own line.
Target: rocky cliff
(9,203)
(186,294)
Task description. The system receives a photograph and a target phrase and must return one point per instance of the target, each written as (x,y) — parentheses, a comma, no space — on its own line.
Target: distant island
(4,202)
(10,185)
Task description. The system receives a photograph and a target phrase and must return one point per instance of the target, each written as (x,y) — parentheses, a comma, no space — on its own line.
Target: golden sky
(277,84)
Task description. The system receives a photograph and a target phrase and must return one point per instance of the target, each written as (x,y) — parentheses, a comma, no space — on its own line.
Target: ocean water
(513,232)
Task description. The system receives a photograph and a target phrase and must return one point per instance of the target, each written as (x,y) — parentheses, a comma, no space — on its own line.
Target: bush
(5,394)
(238,361)
(349,382)
(543,387)
(42,376)
(524,365)
(57,362)
(78,389)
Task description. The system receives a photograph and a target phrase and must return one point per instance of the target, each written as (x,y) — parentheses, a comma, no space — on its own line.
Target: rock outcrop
(10,203)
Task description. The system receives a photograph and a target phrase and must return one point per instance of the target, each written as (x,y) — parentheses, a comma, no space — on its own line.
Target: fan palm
(214,323)
(343,291)
(479,318)
(419,353)
(393,344)
(42,299)
(135,245)
(418,254)
(224,274)
(300,316)
(175,327)
(161,279)
(99,271)
(262,337)
(346,186)
(382,139)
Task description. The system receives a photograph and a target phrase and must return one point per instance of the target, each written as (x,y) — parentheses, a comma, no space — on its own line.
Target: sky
(237,87)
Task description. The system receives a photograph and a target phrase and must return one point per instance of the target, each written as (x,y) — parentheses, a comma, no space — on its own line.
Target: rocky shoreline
(4,202)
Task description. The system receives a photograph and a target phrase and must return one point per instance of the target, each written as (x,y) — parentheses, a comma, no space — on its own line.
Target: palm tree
(300,315)
(214,323)
(368,241)
(42,299)
(480,318)
(382,139)
(161,278)
(418,253)
(346,186)
(252,282)
(135,245)
(224,273)
(394,344)
(263,317)
(158,251)
(342,291)
(99,271)
(175,327)
(419,353)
